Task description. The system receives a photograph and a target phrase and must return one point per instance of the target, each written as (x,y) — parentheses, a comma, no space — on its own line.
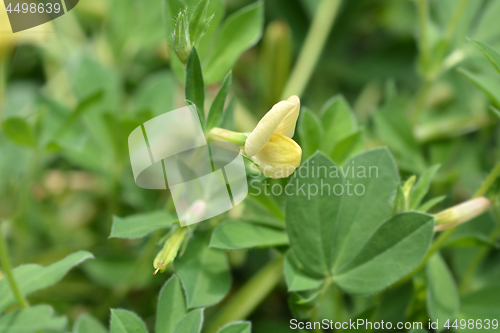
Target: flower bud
(169,251)
(462,213)
(222,135)
(180,38)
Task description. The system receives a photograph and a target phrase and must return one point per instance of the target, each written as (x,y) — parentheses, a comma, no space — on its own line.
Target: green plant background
(411,87)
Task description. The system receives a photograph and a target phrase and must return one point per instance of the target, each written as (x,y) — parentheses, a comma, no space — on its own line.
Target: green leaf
(422,187)
(31,320)
(195,88)
(198,23)
(190,323)
(338,122)
(492,55)
(310,216)
(139,225)
(156,93)
(217,109)
(347,147)
(302,304)
(171,306)
(394,303)
(204,272)
(311,133)
(431,203)
(237,327)
(123,321)
(488,85)
(495,111)
(113,272)
(393,250)
(375,172)
(472,241)
(487,22)
(395,129)
(240,31)
(481,304)
(34,277)
(88,324)
(18,131)
(244,235)
(296,278)
(442,295)
(89,77)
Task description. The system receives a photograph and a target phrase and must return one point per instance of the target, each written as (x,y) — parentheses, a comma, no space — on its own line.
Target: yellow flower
(270,144)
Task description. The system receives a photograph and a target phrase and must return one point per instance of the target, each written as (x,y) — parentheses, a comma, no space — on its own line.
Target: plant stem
(421,100)
(7,267)
(250,295)
(469,273)
(423,20)
(312,48)
(485,186)
(444,236)
(3,80)
(452,25)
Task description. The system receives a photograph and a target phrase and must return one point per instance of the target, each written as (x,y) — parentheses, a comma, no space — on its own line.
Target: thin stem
(444,236)
(485,186)
(469,273)
(250,295)
(455,18)
(421,100)
(312,48)
(7,268)
(3,80)
(423,21)
(328,282)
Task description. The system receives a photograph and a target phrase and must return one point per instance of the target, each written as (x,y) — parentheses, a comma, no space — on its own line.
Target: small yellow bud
(169,251)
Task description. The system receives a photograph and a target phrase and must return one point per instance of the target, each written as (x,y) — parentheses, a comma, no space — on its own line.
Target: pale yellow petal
(281,119)
(287,125)
(280,157)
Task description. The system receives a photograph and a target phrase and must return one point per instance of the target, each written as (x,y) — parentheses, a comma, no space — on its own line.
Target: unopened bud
(169,251)
(181,39)
(462,213)
(222,135)
(407,189)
